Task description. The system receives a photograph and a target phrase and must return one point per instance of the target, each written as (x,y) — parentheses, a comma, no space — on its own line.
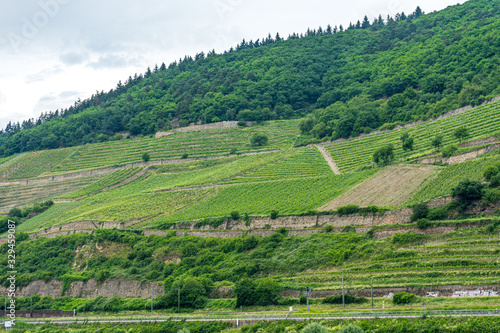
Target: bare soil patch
(389,187)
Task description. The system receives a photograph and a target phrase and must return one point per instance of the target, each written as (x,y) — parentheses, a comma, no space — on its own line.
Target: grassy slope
(170,193)
(290,181)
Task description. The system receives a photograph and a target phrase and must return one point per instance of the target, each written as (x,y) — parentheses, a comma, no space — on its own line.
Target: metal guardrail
(301,316)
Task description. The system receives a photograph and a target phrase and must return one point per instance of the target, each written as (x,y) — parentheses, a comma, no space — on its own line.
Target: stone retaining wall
(444,291)
(380,234)
(456,159)
(479,142)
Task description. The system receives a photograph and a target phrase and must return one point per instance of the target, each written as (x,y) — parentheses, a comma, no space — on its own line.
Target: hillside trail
(328,158)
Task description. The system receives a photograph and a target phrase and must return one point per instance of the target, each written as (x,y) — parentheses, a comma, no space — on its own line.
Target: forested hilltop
(351,80)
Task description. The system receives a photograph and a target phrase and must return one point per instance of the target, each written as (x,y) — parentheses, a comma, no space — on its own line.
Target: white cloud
(113,61)
(73,58)
(44,74)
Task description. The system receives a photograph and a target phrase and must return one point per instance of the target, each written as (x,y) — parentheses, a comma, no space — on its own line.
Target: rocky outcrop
(90,289)
(194,128)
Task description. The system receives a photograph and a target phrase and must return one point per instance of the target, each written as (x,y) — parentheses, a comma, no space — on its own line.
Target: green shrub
(370,209)
(407,238)
(437,141)
(403,298)
(438,213)
(245,292)
(467,192)
(461,133)
(274,214)
(315,328)
(259,139)
(408,144)
(491,195)
(347,210)
(348,299)
(145,156)
(15,212)
(328,228)
(384,155)
(351,329)
(184,156)
(102,275)
(423,224)
(489,172)
(235,215)
(449,150)
(420,211)
(495,181)
(193,293)
(261,292)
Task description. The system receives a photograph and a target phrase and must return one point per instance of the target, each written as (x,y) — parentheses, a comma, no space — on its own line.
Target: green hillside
(392,70)
(252,213)
(290,181)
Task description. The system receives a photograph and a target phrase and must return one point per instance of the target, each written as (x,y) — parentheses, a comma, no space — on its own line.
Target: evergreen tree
(366,23)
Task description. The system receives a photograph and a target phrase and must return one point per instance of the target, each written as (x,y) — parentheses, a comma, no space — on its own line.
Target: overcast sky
(53,52)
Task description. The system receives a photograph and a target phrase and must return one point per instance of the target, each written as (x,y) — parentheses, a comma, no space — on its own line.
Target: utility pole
(343,298)
(371,279)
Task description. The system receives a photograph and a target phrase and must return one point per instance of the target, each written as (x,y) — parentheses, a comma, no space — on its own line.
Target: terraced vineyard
(20,194)
(450,176)
(351,154)
(53,212)
(167,197)
(107,181)
(33,164)
(194,144)
(463,257)
(286,196)
(307,162)
(290,181)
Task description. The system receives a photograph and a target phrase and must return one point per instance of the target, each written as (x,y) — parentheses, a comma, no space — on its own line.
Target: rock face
(90,289)
(213,126)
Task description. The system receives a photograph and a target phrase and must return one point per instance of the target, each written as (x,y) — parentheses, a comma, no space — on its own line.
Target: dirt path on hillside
(328,158)
(389,187)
